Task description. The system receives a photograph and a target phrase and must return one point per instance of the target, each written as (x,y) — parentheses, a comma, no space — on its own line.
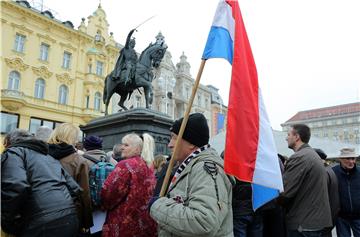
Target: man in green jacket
(198,202)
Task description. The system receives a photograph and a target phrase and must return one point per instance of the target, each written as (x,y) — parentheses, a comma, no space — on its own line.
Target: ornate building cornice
(17,64)
(42,72)
(97,85)
(22,27)
(64,78)
(46,37)
(68,45)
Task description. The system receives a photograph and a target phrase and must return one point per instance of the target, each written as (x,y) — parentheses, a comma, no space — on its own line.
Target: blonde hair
(159,162)
(146,145)
(64,133)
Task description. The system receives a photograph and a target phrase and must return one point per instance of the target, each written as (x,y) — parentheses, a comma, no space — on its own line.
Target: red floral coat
(125,195)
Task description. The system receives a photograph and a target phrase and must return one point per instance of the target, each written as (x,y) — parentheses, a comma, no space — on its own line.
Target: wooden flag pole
(182,129)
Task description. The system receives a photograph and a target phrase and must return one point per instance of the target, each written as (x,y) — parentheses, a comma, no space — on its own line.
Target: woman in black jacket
(36,192)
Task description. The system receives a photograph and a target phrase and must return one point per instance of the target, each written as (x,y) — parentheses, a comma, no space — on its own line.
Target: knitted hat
(321,153)
(196,130)
(92,143)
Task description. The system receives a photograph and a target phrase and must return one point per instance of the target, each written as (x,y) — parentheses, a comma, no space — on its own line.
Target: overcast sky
(307,52)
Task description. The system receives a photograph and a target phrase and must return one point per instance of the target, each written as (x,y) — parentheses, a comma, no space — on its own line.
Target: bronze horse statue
(150,58)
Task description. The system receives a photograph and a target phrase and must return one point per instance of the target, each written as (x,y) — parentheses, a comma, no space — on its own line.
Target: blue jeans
(295,233)
(248,226)
(343,227)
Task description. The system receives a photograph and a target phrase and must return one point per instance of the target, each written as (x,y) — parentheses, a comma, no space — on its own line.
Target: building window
(138,101)
(99,68)
(63,94)
(66,60)
(187,92)
(9,122)
(199,100)
(35,123)
(19,43)
(89,68)
(44,52)
(39,88)
(97,101)
(167,108)
(87,101)
(14,81)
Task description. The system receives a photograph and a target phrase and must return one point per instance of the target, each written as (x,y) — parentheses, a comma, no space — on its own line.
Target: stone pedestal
(112,128)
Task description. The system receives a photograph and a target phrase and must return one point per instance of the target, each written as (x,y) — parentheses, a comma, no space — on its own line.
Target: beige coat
(78,168)
(196,212)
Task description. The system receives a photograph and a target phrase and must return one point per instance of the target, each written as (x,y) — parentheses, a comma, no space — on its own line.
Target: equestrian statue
(131,72)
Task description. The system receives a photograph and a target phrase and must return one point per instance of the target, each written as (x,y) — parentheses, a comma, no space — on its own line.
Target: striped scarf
(186,162)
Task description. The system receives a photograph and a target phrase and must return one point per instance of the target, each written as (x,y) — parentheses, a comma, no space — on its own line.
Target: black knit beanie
(196,130)
(92,143)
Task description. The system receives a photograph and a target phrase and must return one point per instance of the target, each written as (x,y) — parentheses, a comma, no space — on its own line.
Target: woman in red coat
(128,189)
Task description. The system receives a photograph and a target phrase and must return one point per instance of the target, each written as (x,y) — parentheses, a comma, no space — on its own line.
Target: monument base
(112,128)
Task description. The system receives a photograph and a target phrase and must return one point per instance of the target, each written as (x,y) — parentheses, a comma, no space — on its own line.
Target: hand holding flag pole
(182,129)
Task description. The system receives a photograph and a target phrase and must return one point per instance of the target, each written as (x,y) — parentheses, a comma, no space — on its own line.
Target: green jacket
(198,214)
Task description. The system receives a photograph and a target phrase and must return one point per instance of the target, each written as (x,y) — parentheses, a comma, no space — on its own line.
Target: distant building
(218,112)
(330,147)
(53,73)
(340,123)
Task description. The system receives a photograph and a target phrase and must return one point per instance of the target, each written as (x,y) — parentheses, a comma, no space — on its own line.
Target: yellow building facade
(50,72)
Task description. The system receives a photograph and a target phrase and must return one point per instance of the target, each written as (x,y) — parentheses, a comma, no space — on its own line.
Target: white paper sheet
(98,219)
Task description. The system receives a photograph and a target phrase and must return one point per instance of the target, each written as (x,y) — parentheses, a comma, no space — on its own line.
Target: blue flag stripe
(262,195)
(219,44)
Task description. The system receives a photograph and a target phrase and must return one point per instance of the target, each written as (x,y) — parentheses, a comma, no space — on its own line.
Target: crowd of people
(48,188)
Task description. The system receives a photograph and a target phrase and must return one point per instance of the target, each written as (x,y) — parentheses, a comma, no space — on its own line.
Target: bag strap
(104,158)
(91,158)
(211,167)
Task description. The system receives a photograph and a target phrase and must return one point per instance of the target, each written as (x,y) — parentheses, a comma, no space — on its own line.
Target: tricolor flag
(250,152)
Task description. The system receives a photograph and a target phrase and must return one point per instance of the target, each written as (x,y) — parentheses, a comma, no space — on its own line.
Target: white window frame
(138,101)
(14,81)
(44,52)
(66,60)
(99,68)
(97,101)
(19,44)
(39,88)
(63,94)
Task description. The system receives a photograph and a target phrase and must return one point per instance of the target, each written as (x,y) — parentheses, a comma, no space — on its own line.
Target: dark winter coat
(242,199)
(35,189)
(78,168)
(349,191)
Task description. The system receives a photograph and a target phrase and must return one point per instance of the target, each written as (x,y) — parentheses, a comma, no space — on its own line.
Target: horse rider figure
(127,59)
